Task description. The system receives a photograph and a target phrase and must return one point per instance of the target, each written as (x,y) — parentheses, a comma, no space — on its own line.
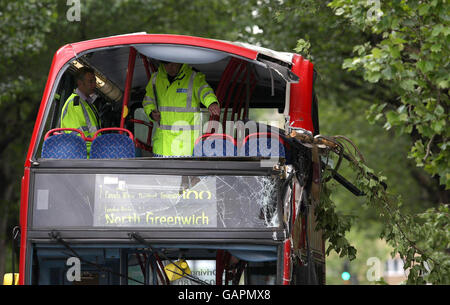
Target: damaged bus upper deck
(236,211)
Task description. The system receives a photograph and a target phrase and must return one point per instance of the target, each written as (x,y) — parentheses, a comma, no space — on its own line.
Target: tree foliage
(421,240)
(390,57)
(410,55)
(23,27)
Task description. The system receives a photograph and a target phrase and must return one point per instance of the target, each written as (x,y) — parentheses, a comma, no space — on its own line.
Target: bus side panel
(301,94)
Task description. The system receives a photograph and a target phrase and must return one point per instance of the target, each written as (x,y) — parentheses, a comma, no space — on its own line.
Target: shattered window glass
(155,201)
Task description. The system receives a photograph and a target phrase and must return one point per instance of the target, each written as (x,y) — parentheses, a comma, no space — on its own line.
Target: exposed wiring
(183,273)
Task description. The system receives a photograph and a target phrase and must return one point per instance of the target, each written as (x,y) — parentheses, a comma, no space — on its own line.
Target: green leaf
(423,9)
(376,53)
(442,83)
(446,31)
(387,73)
(359,49)
(339,11)
(439,110)
(303,46)
(425,66)
(408,129)
(437,30)
(397,40)
(395,51)
(435,48)
(408,84)
(403,117)
(373,77)
(438,126)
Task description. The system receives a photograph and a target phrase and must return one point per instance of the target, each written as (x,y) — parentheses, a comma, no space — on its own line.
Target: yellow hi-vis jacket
(179,104)
(79,114)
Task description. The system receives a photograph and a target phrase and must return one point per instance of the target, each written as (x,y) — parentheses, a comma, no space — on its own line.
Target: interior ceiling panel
(113,63)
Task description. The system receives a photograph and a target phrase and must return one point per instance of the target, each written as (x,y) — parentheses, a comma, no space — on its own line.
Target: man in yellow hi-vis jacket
(79,111)
(176,107)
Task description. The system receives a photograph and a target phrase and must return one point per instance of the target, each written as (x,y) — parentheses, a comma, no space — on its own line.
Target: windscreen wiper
(56,236)
(135,236)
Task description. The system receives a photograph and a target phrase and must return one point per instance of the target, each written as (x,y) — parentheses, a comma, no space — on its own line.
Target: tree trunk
(3,228)
(3,239)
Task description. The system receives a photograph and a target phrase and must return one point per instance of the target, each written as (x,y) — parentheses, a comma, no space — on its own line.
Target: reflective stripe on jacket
(179,104)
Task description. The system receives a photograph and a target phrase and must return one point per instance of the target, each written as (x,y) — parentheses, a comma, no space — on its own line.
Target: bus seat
(112,146)
(215,145)
(64,145)
(264,145)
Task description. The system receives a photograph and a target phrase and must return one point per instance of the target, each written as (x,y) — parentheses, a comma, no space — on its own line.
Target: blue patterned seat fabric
(64,146)
(112,146)
(264,147)
(215,147)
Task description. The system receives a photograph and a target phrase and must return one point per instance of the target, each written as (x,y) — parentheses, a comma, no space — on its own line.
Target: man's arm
(155,115)
(214,109)
(149,103)
(70,117)
(205,94)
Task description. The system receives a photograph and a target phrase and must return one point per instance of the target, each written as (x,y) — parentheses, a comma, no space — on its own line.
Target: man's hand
(214,109)
(156,115)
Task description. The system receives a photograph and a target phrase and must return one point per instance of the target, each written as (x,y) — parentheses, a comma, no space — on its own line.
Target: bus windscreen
(154,201)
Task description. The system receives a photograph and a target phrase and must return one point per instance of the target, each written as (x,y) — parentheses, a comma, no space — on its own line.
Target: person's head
(86,80)
(172,68)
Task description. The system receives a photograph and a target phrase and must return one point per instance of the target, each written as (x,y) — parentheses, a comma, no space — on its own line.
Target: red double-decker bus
(238,211)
